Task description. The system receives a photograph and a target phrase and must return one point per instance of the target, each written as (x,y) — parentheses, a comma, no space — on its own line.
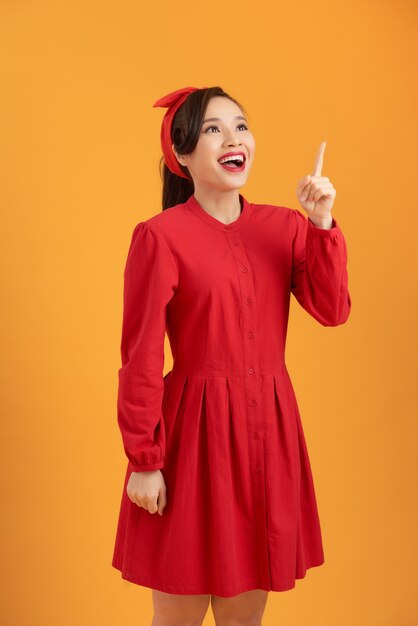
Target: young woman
(216,446)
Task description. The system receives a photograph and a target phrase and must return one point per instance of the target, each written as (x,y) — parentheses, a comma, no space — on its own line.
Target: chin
(232,186)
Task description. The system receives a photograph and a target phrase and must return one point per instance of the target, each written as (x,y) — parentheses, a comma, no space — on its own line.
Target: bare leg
(245,609)
(172,609)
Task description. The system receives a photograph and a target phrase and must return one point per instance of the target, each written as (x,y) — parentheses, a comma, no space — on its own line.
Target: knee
(227,616)
(177,610)
(245,609)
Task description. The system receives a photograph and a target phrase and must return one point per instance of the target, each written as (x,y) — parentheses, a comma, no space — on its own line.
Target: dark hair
(185,131)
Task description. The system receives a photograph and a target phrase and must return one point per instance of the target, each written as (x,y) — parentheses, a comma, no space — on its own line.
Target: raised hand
(316,193)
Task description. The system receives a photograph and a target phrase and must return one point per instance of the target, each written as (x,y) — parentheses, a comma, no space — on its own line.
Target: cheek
(204,165)
(209,148)
(207,159)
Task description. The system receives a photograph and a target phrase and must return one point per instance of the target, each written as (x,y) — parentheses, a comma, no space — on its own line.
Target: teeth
(237,157)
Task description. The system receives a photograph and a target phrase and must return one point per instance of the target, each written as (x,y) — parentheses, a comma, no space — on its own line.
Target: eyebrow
(218,119)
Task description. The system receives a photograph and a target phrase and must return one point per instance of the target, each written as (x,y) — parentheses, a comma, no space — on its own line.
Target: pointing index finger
(319,159)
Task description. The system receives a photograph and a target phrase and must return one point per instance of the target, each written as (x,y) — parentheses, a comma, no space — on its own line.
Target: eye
(209,127)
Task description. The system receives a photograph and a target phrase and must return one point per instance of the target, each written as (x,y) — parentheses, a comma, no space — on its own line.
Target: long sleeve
(319,271)
(150,281)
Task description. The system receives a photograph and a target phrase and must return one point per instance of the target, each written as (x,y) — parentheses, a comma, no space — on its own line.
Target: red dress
(223,425)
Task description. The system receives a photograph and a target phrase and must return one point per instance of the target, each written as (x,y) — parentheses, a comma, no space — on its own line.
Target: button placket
(250,348)
(252,385)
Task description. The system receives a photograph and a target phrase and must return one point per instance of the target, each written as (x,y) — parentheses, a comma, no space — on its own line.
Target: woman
(216,446)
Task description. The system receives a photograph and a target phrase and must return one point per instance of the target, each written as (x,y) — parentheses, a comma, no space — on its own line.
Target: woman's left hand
(316,193)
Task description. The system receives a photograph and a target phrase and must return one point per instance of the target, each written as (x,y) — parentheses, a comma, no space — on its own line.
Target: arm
(319,270)
(150,280)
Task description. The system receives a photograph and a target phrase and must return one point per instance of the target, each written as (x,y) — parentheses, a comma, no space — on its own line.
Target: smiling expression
(218,137)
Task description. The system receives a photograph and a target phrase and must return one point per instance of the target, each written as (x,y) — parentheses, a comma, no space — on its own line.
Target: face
(229,133)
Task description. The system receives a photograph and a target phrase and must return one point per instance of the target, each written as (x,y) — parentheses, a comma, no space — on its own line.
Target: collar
(246,212)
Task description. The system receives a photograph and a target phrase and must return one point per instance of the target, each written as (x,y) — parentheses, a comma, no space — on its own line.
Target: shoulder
(278,209)
(165,222)
(288,216)
(156,235)
(173,224)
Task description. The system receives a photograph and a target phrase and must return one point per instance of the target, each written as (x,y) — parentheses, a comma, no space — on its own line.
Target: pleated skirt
(241,510)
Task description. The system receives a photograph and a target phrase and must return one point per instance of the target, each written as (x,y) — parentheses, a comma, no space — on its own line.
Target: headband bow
(173,101)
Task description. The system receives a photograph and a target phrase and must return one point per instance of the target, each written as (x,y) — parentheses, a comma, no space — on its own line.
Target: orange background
(79,168)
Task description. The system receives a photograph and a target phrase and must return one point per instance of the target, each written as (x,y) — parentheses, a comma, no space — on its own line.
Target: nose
(233,139)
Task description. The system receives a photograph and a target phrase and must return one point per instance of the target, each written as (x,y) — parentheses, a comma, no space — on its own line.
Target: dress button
(253,402)
(243,269)
(235,243)
(249,301)
(250,335)
(251,370)
(227,227)
(257,468)
(256,436)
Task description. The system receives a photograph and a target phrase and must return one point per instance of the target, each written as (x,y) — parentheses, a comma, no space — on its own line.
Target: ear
(178,156)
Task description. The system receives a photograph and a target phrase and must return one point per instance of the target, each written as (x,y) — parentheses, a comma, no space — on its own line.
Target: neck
(224,205)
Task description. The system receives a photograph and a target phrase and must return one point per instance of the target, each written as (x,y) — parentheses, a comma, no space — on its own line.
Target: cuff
(145,467)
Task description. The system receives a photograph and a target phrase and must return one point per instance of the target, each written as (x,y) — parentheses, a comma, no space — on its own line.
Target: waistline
(242,372)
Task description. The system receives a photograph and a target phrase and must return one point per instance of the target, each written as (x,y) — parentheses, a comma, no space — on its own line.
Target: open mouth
(234,165)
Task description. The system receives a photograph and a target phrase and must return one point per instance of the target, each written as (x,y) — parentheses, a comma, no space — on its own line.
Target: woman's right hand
(145,488)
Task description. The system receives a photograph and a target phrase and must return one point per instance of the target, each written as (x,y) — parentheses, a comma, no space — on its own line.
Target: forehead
(222,107)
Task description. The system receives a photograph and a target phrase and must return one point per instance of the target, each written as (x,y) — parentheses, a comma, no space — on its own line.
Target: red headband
(173,101)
